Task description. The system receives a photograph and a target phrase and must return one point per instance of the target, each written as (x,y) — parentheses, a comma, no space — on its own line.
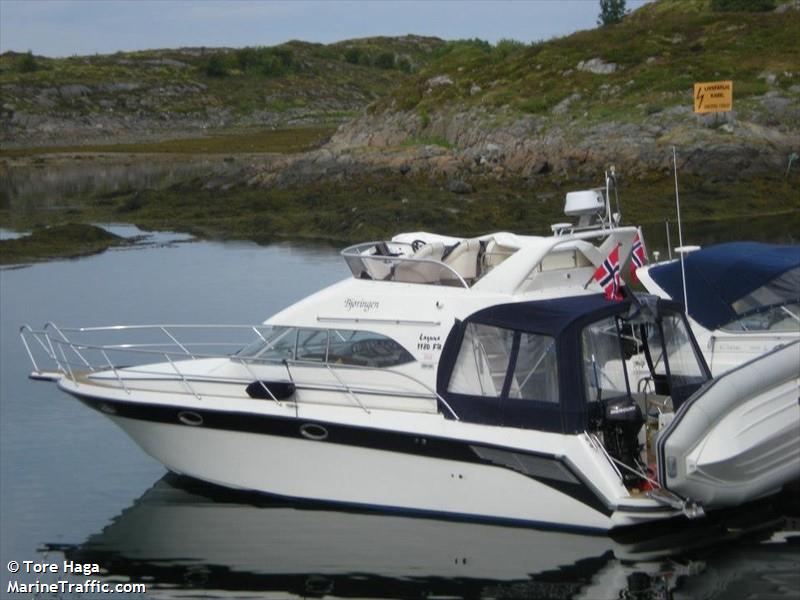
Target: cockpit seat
(414,271)
(464,259)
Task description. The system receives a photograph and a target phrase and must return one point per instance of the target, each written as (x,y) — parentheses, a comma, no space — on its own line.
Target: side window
(482,361)
(365,348)
(312,345)
(279,346)
(684,364)
(536,372)
(603,367)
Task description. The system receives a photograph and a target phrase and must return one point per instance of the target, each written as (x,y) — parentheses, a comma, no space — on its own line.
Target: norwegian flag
(638,255)
(607,275)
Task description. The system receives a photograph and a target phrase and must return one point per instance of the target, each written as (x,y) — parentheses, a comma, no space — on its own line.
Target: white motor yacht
(743,298)
(482,379)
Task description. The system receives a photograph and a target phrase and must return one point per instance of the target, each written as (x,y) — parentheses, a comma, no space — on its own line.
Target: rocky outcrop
(76,114)
(503,143)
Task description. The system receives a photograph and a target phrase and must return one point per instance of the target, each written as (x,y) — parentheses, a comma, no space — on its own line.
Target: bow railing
(153,355)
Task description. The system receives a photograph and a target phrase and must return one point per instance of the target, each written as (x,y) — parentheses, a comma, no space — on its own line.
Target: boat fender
(266,390)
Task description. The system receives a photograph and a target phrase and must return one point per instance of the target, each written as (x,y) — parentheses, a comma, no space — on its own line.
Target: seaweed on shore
(69,240)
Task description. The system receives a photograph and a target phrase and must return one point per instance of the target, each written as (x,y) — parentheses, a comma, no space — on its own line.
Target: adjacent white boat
(479,379)
(743,298)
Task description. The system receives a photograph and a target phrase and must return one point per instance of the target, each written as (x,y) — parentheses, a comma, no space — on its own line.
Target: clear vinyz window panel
(684,364)
(482,361)
(603,364)
(486,353)
(535,374)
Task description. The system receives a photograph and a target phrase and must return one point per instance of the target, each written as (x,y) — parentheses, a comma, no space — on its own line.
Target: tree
(215,66)
(611,11)
(27,63)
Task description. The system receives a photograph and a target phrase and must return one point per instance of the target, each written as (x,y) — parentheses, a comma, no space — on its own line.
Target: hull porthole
(312,431)
(109,409)
(188,417)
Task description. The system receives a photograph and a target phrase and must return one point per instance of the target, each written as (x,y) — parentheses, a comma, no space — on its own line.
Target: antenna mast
(680,231)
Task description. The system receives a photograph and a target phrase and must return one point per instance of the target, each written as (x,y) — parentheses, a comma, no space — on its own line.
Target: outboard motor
(622,420)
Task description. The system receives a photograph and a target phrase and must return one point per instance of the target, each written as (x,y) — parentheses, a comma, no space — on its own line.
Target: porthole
(188,417)
(312,431)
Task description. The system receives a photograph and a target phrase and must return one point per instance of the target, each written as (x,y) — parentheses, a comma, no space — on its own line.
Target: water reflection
(54,183)
(185,535)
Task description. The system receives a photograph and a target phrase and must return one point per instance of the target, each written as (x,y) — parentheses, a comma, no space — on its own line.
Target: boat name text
(361,304)
(429,342)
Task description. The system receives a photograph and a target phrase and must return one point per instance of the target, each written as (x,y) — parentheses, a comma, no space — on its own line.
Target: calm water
(73,485)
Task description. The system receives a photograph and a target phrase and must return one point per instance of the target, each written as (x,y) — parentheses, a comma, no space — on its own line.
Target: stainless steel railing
(401,268)
(73,358)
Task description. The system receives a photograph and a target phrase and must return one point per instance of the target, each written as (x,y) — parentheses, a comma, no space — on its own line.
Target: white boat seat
(464,258)
(421,272)
(432,251)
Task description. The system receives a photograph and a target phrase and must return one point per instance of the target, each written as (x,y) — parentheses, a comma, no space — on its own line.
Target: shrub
(284,55)
(385,60)
(215,66)
(271,66)
(26,63)
(247,58)
(425,118)
(353,55)
(742,5)
(403,64)
(267,61)
(506,46)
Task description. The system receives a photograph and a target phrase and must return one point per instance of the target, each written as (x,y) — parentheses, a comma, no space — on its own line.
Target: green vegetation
(26,63)
(283,141)
(611,12)
(265,61)
(656,53)
(743,5)
(366,207)
(215,66)
(59,241)
(314,81)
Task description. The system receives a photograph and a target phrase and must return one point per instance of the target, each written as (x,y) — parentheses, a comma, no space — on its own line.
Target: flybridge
(502,262)
(498,262)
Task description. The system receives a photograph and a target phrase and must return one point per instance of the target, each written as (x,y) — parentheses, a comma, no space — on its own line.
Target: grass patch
(284,141)
(434,140)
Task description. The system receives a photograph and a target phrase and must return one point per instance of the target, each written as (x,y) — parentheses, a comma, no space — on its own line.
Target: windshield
(332,346)
(774,306)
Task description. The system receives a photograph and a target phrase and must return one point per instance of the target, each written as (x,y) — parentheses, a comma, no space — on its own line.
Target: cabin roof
(718,276)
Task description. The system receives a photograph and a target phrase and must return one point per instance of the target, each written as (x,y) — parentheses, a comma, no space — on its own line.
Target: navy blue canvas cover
(718,276)
(561,318)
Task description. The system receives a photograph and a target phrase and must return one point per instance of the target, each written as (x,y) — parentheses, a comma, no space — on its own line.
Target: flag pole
(680,232)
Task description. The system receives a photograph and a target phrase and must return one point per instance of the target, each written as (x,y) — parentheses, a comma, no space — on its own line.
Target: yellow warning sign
(713,96)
